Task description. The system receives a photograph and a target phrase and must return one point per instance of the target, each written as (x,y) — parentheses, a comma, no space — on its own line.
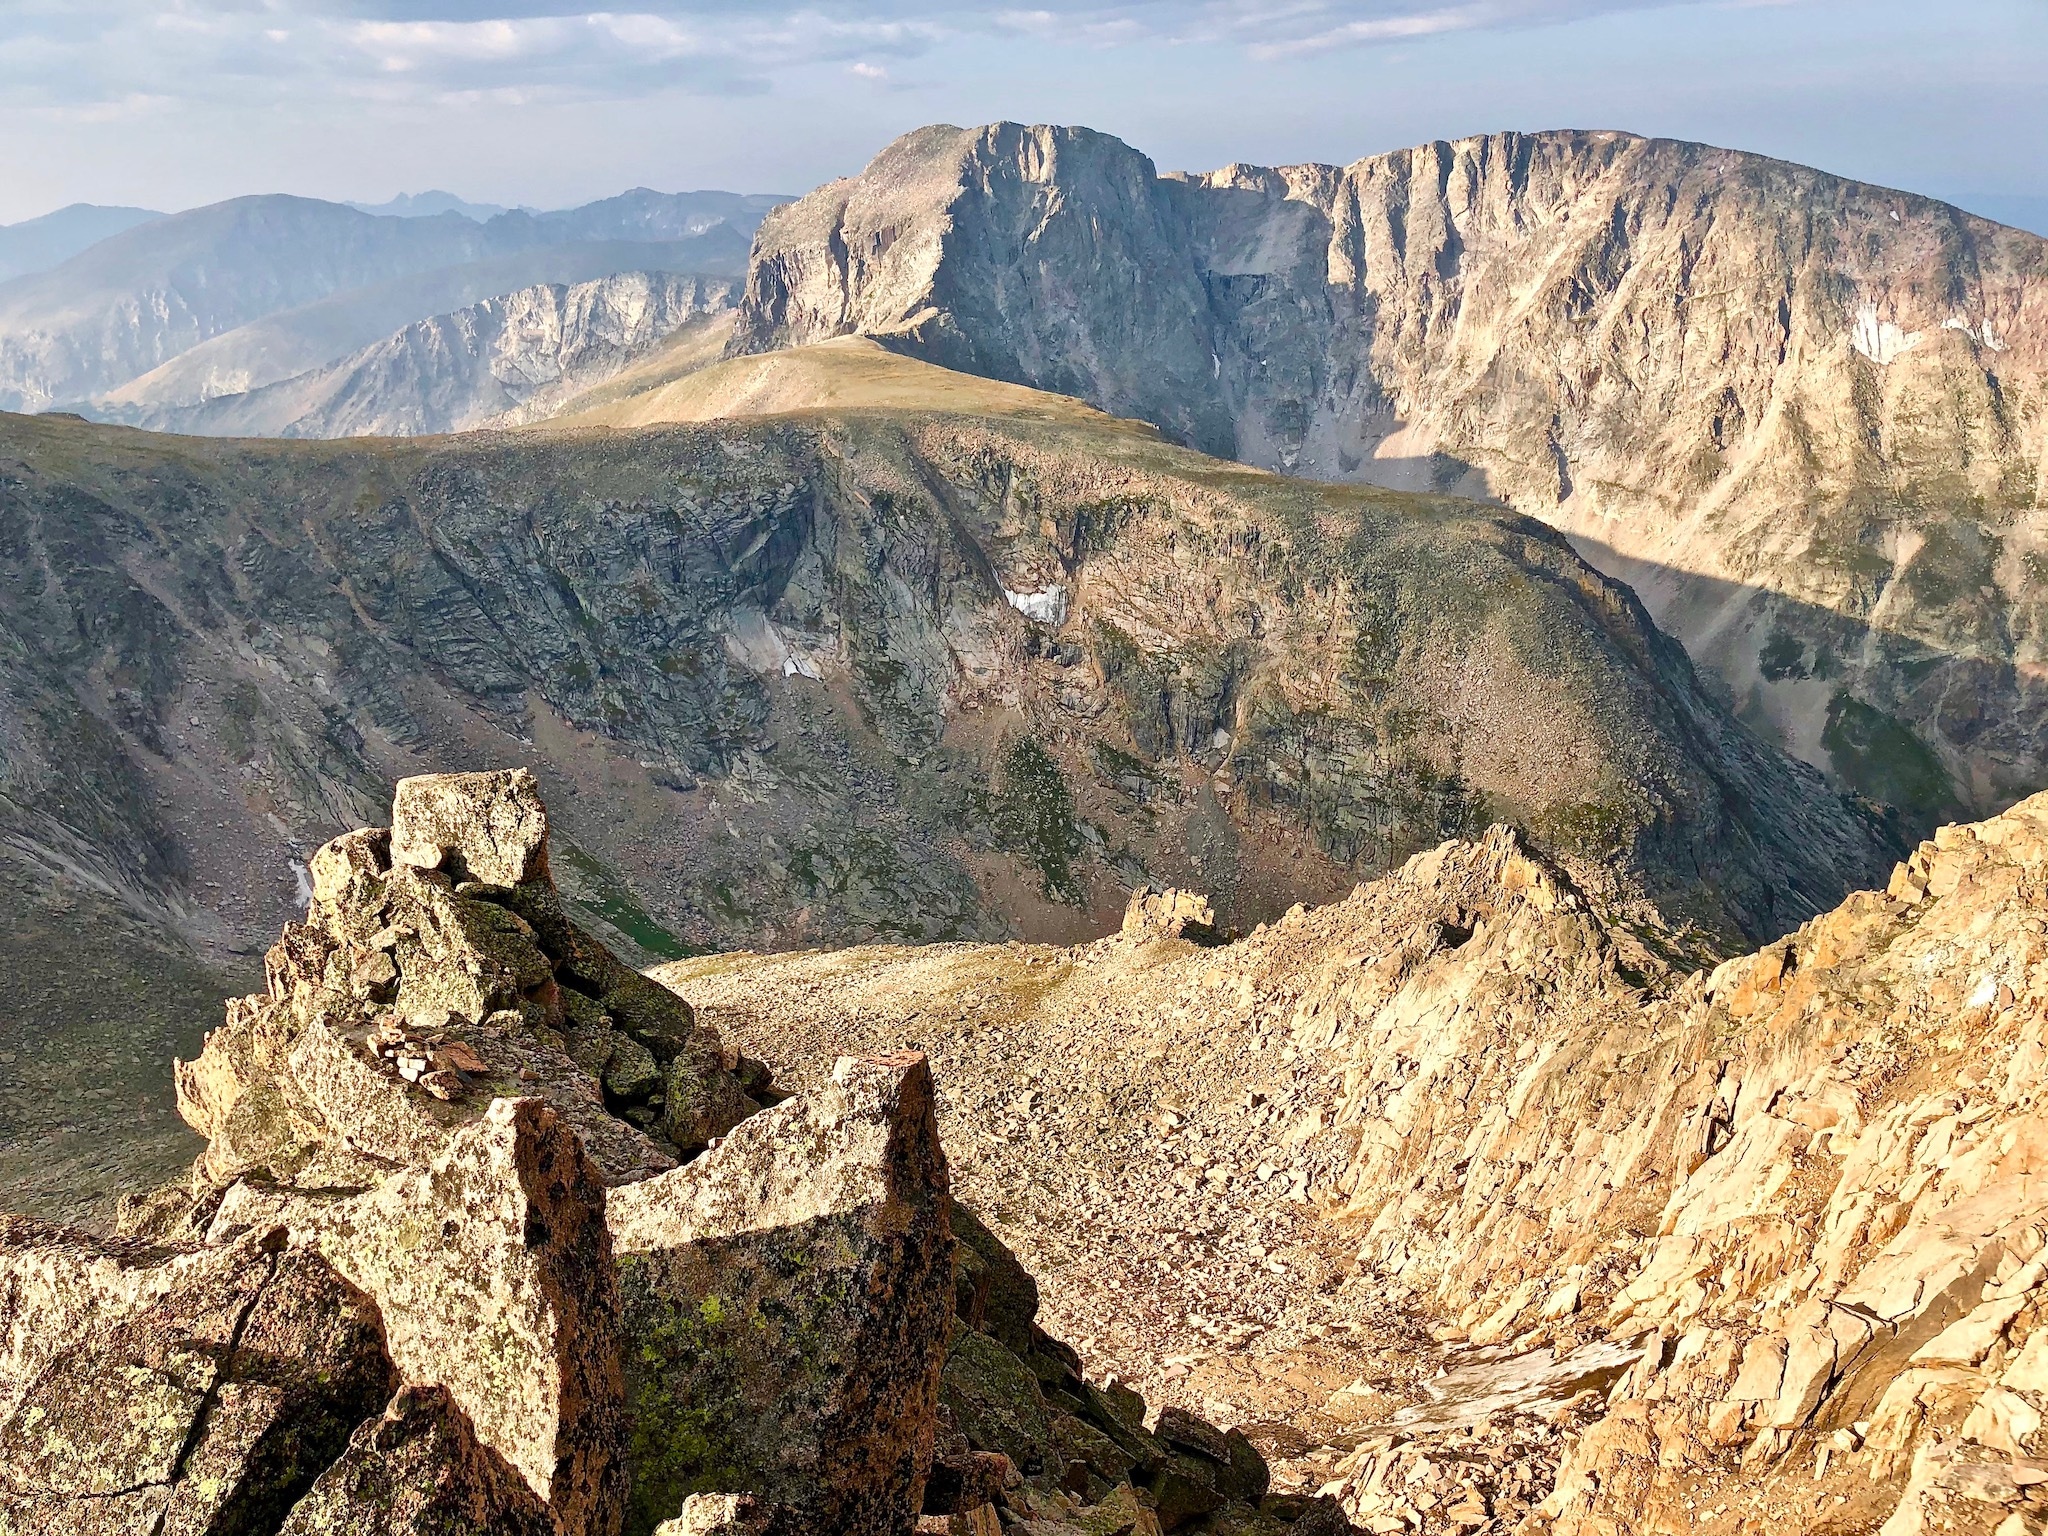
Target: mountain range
(37,244)
(242,294)
(967,664)
(421,205)
(1803,416)
(1636,342)
(511,358)
(1131,711)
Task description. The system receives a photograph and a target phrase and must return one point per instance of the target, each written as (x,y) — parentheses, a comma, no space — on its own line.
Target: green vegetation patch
(1783,657)
(1881,757)
(597,890)
(1031,812)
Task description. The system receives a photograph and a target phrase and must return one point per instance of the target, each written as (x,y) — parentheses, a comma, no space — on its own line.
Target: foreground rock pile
(493,1234)
(1479,1217)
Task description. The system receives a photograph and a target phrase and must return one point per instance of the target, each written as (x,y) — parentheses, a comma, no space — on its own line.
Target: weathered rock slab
(208,1408)
(489,827)
(492,1267)
(788,1297)
(418,1470)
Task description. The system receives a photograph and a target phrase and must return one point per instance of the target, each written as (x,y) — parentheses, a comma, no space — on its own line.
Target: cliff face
(814,681)
(510,359)
(1803,415)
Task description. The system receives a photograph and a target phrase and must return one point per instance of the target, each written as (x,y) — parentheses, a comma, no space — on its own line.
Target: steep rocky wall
(968,677)
(1805,1182)
(1803,415)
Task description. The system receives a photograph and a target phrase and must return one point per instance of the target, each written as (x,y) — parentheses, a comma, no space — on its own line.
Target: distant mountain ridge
(35,245)
(296,341)
(129,304)
(424,205)
(1806,417)
(509,359)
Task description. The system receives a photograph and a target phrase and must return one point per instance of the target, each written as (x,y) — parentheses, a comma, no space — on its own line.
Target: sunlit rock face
(1803,415)
(1476,1214)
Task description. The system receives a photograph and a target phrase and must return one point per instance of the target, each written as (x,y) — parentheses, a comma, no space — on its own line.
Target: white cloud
(73,53)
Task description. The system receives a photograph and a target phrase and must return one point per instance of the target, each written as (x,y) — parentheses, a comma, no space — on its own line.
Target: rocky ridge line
(1475,1214)
(1801,415)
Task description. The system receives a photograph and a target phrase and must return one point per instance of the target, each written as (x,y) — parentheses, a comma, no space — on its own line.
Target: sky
(174,103)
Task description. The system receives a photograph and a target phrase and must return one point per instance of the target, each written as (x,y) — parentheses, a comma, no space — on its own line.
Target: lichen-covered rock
(419,1470)
(787,1296)
(435,972)
(994,1400)
(426,1170)
(994,1292)
(490,827)
(1026,1431)
(209,1407)
(493,1270)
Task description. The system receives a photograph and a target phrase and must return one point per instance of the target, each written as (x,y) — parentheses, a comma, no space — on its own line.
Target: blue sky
(550,102)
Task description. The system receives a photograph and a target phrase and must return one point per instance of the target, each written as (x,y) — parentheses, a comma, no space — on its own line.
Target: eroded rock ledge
(491,1234)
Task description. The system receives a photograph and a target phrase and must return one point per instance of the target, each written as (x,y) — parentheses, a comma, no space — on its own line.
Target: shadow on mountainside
(1927,730)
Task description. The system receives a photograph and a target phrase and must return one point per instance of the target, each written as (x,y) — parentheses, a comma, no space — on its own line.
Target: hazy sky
(169,105)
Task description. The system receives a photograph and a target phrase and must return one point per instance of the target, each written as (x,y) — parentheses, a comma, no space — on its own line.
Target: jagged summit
(1478,1214)
(1801,414)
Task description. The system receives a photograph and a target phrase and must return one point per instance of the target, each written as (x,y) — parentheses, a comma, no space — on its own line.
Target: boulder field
(1456,1206)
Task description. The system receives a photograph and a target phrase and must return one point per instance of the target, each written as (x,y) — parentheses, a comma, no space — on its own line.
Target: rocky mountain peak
(492,1234)
(1799,413)
(1478,1217)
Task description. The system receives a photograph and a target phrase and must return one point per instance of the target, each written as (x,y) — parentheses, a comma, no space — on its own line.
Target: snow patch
(757,643)
(1880,340)
(1047,607)
(1986,336)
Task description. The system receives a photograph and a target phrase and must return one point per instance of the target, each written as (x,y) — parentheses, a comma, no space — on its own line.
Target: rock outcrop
(1801,414)
(437,955)
(417,1470)
(1170,914)
(491,1267)
(825,1371)
(1478,1213)
(150,1391)
(438,1273)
